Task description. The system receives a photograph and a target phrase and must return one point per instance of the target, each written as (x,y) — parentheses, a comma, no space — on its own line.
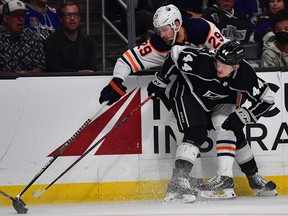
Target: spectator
(41,18)
(1,6)
(233,24)
(275,50)
(68,49)
(249,7)
(263,29)
(21,50)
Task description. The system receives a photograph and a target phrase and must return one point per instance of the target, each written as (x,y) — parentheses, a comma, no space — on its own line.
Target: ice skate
(195,183)
(179,189)
(261,186)
(218,187)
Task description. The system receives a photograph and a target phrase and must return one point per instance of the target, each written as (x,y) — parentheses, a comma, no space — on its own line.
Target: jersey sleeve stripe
(131,60)
(127,63)
(137,59)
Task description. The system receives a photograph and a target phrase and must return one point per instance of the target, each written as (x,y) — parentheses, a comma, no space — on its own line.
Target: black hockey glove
(237,120)
(113,91)
(158,86)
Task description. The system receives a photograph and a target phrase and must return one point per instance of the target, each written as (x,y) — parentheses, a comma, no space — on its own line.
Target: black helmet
(230,53)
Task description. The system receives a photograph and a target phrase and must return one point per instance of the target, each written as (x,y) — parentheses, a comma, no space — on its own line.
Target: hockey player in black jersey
(170,30)
(207,86)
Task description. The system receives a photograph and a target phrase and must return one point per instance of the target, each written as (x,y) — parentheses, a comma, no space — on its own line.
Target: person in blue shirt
(41,18)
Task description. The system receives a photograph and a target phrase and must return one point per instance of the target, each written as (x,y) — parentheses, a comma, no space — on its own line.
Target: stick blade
(37,193)
(19,206)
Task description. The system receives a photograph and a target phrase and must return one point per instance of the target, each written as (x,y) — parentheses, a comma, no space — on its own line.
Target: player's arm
(262,99)
(178,54)
(148,55)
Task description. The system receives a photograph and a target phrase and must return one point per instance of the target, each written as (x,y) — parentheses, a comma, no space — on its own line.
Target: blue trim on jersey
(159,44)
(226,142)
(137,59)
(225,154)
(197,30)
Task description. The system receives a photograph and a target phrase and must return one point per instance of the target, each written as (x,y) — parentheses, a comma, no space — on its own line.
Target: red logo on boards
(126,139)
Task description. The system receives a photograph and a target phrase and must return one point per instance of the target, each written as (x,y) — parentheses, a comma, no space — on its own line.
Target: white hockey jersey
(152,53)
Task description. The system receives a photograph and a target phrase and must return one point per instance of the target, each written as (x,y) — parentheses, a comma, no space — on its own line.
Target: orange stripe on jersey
(131,60)
(226,148)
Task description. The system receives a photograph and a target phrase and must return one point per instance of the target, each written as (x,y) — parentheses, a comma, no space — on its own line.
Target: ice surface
(277,205)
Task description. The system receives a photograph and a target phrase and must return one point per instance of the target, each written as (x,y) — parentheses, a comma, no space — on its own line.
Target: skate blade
(176,198)
(263,192)
(221,194)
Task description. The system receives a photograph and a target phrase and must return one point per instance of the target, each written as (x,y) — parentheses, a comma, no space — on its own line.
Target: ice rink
(277,205)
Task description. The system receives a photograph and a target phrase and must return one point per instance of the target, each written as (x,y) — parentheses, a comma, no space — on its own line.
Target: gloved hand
(113,91)
(237,120)
(158,86)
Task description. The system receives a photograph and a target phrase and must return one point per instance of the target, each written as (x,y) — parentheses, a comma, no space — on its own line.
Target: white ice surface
(277,205)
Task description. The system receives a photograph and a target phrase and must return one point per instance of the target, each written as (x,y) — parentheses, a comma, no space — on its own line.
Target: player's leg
(245,159)
(222,185)
(195,178)
(191,120)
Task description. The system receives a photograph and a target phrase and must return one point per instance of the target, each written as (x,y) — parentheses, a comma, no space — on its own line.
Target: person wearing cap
(207,88)
(21,50)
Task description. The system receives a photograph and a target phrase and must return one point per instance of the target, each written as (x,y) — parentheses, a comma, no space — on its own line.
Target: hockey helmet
(167,15)
(230,53)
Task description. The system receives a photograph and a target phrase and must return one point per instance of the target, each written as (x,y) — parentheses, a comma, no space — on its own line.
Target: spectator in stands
(275,50)
(232,23)
(1,6)
(21,50)
(263,29)
(249,7)
(41,18)
(68,49)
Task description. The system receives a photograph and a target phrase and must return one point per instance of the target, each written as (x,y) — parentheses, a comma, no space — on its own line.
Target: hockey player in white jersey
(170,30)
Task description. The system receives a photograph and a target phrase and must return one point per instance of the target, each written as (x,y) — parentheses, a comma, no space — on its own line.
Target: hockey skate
(261,186)
(218,187)
(179,189)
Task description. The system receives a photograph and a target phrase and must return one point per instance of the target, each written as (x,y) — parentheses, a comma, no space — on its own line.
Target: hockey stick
(18,204)
(39,192)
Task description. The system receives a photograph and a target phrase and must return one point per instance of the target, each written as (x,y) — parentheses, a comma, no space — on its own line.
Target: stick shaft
(99,141)
(61,150)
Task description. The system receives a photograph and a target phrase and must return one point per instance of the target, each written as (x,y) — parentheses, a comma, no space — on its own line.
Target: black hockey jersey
(197,75)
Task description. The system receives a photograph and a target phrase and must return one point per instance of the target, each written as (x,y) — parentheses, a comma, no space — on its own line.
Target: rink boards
(38,114)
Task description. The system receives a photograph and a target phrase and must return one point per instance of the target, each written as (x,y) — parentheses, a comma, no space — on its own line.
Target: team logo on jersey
(232,33)
(214,96)
(215,17)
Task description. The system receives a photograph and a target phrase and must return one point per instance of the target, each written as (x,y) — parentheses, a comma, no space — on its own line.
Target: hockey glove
(237,120)
(158,86)
(113,91)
